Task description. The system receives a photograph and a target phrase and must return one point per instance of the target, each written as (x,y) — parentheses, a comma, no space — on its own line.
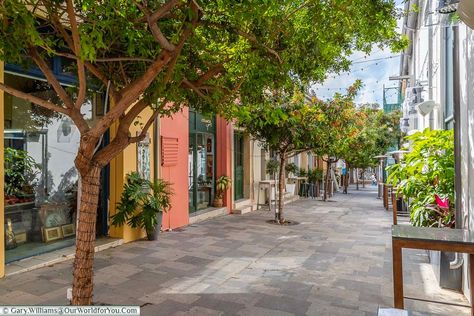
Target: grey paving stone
(284,303)
(336,262)
(194,260)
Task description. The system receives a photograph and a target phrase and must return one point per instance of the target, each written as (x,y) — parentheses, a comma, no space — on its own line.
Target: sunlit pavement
(337,261)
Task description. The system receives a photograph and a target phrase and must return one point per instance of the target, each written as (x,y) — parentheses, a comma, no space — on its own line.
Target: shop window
(40,176)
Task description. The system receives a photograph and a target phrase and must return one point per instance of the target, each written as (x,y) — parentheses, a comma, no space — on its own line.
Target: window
(40,176)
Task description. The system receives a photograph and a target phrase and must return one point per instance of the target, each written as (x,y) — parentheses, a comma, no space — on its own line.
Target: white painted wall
(466,37)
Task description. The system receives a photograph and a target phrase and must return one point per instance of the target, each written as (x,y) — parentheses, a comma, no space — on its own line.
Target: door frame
(239,142)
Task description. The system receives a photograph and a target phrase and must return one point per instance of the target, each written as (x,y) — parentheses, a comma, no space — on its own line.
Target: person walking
(374,179)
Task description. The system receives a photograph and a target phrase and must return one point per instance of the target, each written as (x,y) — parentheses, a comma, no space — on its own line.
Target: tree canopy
(167,54)
(378,131)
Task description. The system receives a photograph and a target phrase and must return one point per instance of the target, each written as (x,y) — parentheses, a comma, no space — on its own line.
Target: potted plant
(222,184)
(272,167)
(142,204)
(425,178)
(291,169)
(20,174)
(302,172)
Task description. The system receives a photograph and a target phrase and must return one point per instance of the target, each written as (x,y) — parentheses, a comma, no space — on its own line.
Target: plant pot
(447,278)
(218,202)
(290,187)
(153,235)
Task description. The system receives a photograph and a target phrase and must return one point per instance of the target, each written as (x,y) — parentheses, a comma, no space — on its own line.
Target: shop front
(201,161)
(40,179)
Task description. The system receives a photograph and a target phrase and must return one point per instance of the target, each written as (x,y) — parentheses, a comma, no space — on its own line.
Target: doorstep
(56,256)
(206,214)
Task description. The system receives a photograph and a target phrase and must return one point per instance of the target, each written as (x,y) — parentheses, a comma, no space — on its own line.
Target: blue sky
(373,70)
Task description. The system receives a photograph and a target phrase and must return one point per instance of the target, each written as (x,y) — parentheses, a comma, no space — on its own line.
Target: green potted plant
(20,174)
(302,172)
(425,178)
(272,167)
(222,185)
(291,169)
(315,175)
(142,204)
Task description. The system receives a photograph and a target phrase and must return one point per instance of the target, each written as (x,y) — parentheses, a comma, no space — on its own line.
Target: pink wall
(177,127)
(224,139)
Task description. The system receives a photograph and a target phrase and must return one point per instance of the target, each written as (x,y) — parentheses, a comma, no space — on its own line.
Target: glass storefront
(201,161)
(40,177)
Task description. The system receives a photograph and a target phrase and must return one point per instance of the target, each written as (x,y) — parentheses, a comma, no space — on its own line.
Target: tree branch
(132,92)
(161,12)
(160,37)
(142,134)
(114,95)
(81,72)
(153,25)
(51,77)
(187,32)
(190,85)
(217,69)
(34,99)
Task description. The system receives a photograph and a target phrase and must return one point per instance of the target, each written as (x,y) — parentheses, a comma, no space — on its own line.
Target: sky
(374,71)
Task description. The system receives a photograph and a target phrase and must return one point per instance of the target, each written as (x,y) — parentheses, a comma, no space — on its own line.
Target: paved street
(337,261)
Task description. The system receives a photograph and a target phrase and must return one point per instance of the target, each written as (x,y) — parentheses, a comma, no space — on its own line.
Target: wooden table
(387,189)
(442,239)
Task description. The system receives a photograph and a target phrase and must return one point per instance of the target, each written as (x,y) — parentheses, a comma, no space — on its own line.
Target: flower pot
(153,235)
(218,202)
(290,187)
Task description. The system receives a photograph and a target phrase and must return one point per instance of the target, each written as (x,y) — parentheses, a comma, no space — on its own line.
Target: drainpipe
(156,145)
(458,260)
(430,68)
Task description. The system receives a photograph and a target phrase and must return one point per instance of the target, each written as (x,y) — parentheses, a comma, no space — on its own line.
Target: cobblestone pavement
(337,261)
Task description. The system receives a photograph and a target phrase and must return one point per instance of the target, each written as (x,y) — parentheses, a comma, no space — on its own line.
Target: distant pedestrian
(374,179)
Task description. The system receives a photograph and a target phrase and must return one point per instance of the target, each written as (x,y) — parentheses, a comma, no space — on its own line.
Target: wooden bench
(442,239)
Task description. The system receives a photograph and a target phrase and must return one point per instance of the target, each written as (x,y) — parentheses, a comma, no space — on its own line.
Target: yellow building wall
(124,163)
(2,207)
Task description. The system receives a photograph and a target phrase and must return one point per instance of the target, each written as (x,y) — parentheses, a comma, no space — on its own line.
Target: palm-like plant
(142,203)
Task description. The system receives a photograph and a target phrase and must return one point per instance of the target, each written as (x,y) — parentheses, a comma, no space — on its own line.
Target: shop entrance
(201,161)
(238,166)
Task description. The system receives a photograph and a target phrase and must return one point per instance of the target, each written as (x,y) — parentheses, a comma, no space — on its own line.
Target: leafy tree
(338,126)
(167,54)
(425,172)
(286,125)
(378,131)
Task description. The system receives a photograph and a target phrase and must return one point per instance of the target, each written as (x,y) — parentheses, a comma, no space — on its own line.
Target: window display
(40,176)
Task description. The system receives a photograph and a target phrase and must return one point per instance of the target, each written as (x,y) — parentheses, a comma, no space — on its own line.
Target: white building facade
(437,77)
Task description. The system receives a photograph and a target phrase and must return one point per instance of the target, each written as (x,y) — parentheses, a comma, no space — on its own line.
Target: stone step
(241,203)
(207,214)
(243,209)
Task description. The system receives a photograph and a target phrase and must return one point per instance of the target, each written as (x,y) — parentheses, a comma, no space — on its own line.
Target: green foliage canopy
(427,170)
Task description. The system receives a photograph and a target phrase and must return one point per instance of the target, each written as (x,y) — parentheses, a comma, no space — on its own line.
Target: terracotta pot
(218,202)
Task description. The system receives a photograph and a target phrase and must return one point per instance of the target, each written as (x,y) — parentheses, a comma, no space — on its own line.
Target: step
(206,214)
(241,203)
(243,209)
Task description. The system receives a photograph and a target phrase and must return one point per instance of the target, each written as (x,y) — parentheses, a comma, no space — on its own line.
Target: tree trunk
(363,178)
(281,187)
(346,178)
(326,181)
(85,237)
(357,178)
